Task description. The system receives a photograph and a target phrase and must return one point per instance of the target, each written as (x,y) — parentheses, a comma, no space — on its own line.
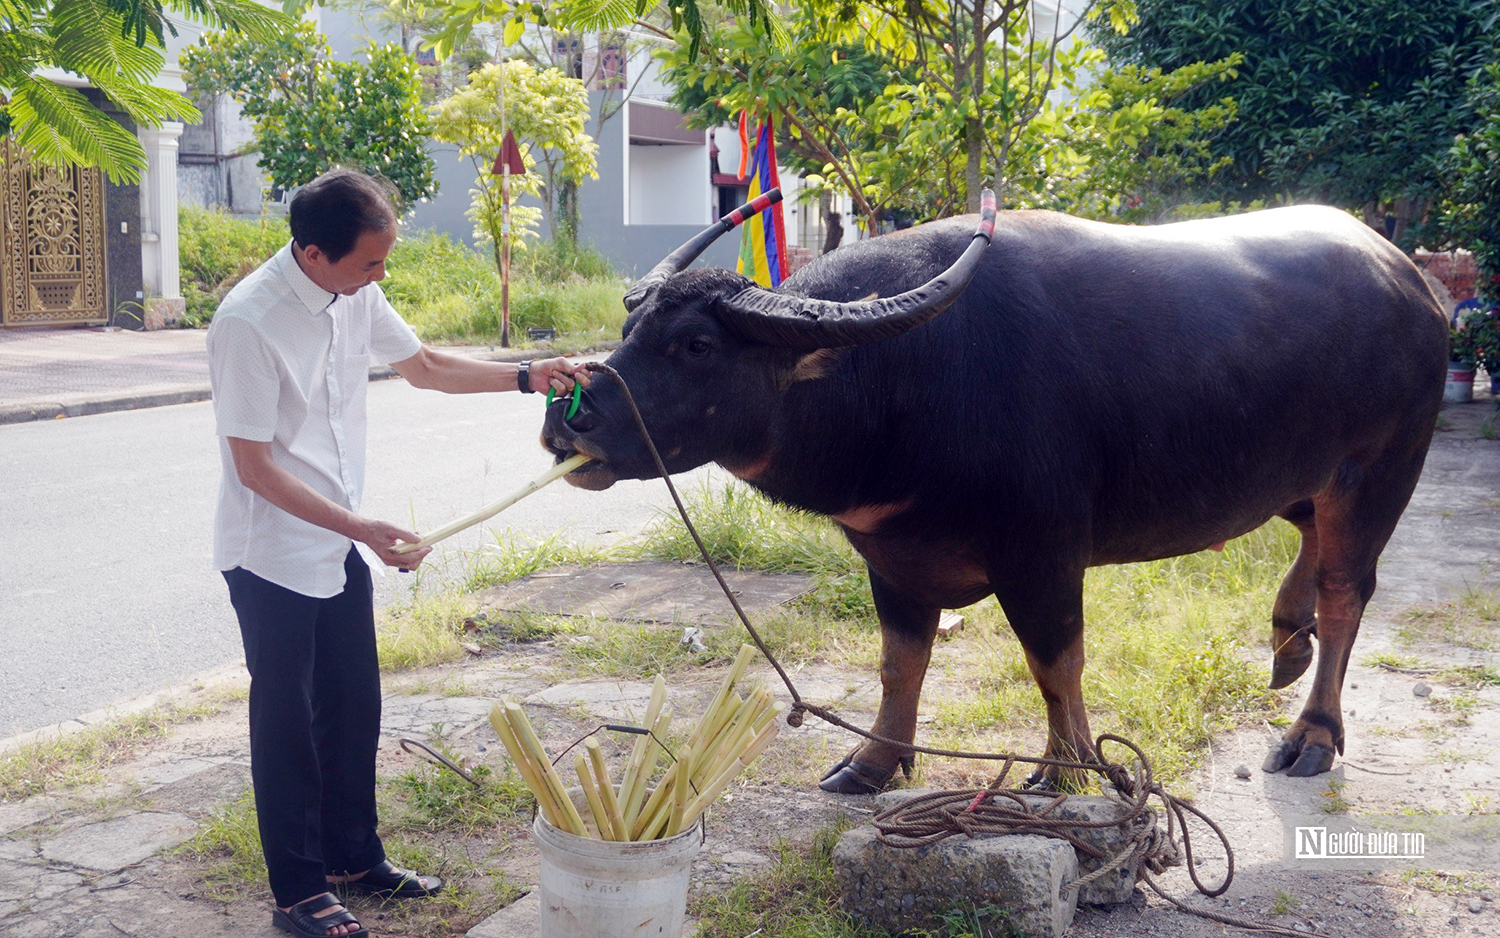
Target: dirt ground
(1438,753)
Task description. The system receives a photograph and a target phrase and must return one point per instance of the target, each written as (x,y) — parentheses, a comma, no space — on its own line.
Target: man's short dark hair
(333,210)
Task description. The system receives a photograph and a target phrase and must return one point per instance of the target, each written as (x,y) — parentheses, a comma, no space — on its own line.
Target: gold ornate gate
(51,243)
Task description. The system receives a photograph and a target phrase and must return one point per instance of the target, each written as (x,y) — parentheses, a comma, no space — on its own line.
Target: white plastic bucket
(604,889)
(1460,386)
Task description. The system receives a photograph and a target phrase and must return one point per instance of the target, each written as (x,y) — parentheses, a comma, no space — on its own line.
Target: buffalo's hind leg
(1354,517)
(907,630)
(1294,619)
(1046,613)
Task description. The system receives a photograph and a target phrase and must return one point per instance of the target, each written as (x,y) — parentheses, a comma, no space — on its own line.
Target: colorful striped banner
(763,242)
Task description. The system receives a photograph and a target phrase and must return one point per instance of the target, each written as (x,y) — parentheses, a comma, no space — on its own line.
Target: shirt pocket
(354,373)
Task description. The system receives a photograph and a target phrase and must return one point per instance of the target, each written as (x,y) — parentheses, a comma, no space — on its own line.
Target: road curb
(191,394)
(203,683)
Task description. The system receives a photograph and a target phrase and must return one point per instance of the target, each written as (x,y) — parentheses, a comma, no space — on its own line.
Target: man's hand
(558,374)
(381,537)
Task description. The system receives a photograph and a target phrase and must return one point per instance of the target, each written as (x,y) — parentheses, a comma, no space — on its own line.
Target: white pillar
(159,210)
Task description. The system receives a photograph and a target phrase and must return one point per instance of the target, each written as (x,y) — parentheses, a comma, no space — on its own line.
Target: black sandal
(392,882)
(302,921)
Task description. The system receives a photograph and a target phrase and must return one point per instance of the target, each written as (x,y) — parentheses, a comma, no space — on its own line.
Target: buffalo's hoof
(1287,668)
(1038,782)
(1304,761)
(851,777)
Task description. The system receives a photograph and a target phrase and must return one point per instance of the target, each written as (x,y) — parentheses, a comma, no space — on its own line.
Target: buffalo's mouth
(594,475)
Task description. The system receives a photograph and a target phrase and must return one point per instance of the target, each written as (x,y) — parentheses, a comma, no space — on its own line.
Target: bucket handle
(635,731)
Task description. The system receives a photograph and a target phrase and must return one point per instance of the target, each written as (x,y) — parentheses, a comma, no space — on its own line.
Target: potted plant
(1477,340)
(1463,355)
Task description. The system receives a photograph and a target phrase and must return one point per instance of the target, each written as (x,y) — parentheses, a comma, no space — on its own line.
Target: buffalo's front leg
(907,629)
(1045,609)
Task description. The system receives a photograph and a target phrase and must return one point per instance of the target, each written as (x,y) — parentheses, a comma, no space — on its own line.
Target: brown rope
(932,817)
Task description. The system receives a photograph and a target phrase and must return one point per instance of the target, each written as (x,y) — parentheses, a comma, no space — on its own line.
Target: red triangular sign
(509,155)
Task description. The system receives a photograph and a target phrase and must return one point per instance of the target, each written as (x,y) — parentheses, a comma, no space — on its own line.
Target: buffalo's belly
(946,574)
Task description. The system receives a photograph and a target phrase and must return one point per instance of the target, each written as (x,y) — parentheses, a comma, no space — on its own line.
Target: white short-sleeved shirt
(289,363)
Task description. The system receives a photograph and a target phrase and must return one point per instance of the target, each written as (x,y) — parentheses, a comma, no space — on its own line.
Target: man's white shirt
(289,363)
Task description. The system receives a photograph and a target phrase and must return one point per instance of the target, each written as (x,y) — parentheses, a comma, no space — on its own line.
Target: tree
(118,47)
(547,110)
(1353,102)
(1473,207)
(313,113)
(893,136)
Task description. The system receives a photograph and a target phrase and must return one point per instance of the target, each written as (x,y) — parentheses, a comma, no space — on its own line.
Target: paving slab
(612,701)
(119,842)
(14,817)
(645,592)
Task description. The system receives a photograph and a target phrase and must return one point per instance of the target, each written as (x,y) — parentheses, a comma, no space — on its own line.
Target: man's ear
(314,254)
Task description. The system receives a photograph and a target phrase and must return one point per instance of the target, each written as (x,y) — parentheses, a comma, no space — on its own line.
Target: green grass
(430,798)
(424,631)
(446,290)
(80,758)
(743,529)
(228,843)
(798,897)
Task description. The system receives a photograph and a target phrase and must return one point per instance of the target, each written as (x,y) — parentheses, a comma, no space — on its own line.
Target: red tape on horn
(753,207)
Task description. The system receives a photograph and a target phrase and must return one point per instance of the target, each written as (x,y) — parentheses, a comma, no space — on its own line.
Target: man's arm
(260,474)
(458,374)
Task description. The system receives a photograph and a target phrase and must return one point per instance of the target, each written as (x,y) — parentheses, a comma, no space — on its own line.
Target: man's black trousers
(314,725)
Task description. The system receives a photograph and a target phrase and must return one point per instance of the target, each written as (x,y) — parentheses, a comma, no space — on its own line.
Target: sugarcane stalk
(642,744)
(591,795)
(648,765)
(527,736)
(606,789)
(528,770)
(736,671)
(679,797)
(494,508)
(715,788)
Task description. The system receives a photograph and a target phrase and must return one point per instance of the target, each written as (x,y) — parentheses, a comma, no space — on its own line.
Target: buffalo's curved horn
(799,322)
(686,254)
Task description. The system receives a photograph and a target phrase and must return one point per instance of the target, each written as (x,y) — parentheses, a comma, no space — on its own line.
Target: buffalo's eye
(698,346)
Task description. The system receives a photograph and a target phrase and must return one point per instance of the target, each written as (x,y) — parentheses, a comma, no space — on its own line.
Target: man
(289,353)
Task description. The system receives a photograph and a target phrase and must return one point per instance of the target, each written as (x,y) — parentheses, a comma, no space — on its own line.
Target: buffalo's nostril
(582,422)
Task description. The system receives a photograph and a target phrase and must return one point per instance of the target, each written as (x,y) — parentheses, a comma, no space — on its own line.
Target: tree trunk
(568,219)
(973,163)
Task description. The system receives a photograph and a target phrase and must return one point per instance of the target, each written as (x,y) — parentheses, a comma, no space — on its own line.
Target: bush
(216,250)
(446,290)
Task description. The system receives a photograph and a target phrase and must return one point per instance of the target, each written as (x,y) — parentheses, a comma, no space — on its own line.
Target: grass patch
(228,842)
(1334,801)
(798,897)
(1450,884)
(80,758)
(743,529)
(431,798)
(1470,621)
(423,632)
(510,559)
(446,290)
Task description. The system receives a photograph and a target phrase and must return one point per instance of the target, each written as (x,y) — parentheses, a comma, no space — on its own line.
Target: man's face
(362,266)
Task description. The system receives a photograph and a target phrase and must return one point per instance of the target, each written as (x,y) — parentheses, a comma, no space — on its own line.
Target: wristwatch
(523,377)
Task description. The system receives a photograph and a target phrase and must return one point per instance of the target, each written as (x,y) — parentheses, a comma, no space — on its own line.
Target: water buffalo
(1098,394)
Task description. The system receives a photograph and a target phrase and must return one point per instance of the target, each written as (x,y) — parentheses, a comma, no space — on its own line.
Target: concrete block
(1012,882)
(1115,886)
(520,919)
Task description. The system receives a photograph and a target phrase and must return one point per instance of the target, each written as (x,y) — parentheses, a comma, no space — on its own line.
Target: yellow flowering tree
(548,111)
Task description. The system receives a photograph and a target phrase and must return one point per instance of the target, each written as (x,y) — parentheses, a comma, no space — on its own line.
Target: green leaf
(514,30)
(59,125)
(89,39)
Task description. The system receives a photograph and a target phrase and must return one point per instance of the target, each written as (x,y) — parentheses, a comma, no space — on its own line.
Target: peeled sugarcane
(532,746)
(728,737)
(591,795)
(491,510)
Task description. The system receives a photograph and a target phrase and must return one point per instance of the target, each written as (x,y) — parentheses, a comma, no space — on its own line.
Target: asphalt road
(107,590)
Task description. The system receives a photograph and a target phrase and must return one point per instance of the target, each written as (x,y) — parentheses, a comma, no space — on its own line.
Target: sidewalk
(72,372)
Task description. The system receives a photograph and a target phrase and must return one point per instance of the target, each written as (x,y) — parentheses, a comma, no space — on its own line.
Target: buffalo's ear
(819,363)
